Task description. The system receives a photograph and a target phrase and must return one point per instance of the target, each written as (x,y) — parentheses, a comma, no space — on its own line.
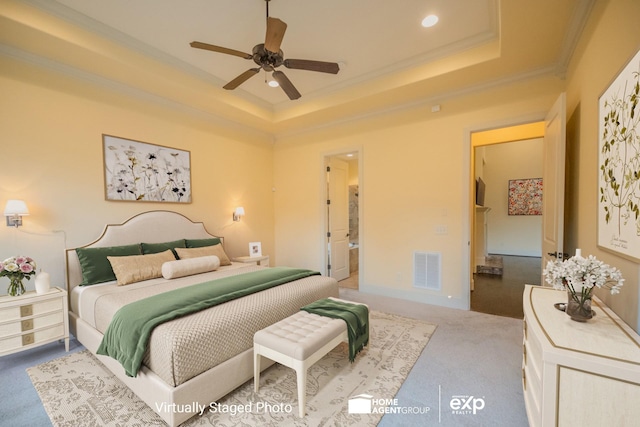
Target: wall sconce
(14,211)
(238,213)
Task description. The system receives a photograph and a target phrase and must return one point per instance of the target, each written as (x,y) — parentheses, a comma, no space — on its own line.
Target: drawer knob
(27,325)
(27,339)
(26,310)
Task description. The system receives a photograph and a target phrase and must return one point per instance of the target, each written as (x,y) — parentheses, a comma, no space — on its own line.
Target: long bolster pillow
(190,266)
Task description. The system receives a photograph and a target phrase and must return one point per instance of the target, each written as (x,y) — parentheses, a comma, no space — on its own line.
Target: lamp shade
(16,207)
(239,211)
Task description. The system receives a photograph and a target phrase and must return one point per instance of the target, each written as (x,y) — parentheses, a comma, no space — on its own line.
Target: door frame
(501,132)
(324,217)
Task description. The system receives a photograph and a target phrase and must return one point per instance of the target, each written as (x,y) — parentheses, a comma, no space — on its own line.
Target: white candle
(578,252)
(43,282)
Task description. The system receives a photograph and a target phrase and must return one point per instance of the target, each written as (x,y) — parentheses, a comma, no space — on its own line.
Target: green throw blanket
(128,333)
(355,315)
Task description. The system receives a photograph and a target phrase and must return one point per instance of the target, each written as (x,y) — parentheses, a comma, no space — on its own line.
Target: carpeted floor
(470,354)
(78,390)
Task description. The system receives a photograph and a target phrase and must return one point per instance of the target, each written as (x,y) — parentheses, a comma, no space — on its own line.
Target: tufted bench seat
(298,342)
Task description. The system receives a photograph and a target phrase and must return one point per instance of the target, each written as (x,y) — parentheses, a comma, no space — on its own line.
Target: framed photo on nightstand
(255,249)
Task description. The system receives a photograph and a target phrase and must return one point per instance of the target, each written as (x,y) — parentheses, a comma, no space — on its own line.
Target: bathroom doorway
(342,225)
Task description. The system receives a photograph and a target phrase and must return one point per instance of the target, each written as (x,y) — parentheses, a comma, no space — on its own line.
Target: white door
(553,183)
(338,176)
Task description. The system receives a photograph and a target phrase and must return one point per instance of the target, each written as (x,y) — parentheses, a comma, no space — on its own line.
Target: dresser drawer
(26,310)
(30,323)
(29,338)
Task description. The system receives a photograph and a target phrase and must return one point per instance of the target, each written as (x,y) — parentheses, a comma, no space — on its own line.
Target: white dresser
(30,320)
(578,374)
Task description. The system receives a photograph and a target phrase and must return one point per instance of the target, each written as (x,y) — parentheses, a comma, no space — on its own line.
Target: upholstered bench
(298,342)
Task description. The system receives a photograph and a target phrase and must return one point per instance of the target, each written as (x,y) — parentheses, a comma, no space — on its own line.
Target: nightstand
(32,319)
(258,260)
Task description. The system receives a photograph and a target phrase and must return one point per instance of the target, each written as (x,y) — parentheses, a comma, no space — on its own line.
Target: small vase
(43,283)
(579,307)
(16,287)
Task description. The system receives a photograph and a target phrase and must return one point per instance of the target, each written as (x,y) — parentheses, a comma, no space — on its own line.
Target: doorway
(342,222)
(506,242)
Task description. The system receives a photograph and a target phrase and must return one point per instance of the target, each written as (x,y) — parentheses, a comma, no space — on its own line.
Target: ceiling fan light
(430,21)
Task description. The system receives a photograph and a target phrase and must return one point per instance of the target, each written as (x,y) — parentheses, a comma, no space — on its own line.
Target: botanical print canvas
(619,164)
(525,196)
(138,171)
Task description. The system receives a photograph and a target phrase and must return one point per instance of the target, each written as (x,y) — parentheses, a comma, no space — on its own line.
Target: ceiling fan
(269,57)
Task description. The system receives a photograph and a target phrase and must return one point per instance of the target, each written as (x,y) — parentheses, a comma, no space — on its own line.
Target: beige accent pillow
(190,266)
(135,268)
(217,250)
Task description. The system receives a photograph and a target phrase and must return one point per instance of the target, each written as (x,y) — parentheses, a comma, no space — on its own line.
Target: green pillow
(154,248)
(200,243)
(95,266)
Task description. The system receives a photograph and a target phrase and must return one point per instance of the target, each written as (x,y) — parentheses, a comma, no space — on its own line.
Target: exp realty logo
(466,405)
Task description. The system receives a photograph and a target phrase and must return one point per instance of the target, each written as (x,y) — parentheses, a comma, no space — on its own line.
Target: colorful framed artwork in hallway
(525,196)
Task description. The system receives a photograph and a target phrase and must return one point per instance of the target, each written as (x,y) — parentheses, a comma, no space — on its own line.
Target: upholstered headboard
(147,227)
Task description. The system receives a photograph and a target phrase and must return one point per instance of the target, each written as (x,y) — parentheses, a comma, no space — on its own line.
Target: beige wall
(612,39)
(415,174)
(511,234)
(415,170)
(52,159)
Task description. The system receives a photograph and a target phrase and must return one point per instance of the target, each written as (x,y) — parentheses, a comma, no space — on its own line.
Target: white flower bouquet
(579,277)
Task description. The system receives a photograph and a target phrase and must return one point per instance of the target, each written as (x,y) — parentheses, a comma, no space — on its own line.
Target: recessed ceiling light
(273,83)
(430,21)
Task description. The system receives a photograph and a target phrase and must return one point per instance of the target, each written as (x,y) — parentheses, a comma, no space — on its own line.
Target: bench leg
(256,370)
(301,374)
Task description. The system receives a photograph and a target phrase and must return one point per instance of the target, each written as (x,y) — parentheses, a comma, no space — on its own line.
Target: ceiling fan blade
(286,85)
(305,64)
(207,46)
(275,34)
(241,78)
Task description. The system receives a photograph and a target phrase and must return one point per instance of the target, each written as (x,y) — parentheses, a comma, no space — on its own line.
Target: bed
(199,357)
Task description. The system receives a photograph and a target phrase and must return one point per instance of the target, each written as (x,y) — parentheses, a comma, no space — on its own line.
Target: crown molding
(133,92)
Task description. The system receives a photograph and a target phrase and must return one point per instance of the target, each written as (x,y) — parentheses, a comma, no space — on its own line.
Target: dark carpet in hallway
(502,295)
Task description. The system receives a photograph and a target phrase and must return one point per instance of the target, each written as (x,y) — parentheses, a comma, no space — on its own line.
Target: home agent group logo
(360,404)
(367,404)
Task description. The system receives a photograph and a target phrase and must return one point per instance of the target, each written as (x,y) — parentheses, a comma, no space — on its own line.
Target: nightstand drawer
(29,338)
(34,309)
(18,326)
(33,319)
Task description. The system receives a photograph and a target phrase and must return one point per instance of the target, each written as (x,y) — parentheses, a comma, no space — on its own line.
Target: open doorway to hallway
(508,223)
(343,218)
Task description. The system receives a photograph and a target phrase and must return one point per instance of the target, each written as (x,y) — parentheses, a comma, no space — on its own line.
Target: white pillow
(187,267)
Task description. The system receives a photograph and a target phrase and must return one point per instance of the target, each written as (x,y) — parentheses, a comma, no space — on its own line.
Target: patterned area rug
(77,390)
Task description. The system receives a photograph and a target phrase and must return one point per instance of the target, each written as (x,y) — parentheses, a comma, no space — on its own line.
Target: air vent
(426,270)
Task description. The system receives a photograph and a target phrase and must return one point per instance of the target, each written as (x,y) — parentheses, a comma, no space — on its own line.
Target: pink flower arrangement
(16,269)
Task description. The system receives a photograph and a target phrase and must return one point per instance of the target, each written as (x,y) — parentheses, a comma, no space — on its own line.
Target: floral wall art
(138,171)
(525,196)
(619,164)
